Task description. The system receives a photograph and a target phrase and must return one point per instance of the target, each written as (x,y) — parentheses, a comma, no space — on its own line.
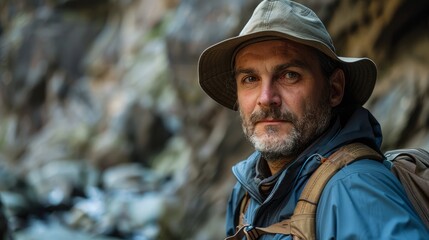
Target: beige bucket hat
(280,19)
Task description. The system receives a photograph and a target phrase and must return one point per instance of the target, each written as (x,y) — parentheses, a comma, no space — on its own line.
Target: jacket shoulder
(365,200)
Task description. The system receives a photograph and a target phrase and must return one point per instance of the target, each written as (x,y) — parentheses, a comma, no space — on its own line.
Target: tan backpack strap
(303,222)
(243,208)
(253,233)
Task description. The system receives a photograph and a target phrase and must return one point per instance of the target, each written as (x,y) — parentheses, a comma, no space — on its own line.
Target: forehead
(283,48)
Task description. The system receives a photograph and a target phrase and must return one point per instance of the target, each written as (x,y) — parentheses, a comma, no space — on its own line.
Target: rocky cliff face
(105,132)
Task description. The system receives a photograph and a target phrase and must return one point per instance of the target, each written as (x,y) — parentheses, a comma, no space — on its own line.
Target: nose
(269,96)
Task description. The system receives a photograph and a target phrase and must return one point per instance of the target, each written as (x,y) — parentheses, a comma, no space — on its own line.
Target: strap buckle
(248,231)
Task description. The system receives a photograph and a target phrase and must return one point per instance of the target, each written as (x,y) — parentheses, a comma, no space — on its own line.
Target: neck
(278,164)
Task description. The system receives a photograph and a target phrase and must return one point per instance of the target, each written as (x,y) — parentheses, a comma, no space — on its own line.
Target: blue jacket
(364,200)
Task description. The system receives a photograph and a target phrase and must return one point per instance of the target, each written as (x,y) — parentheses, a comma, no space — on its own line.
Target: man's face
(283,97)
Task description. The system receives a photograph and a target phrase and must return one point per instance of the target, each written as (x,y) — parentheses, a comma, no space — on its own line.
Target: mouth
(273,116)
(271,121)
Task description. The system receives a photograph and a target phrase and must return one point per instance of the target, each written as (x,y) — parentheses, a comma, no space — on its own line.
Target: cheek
(307,105)
(246,102)
(295,100)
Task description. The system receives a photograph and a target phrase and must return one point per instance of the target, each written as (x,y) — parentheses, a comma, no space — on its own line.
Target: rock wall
(105,133)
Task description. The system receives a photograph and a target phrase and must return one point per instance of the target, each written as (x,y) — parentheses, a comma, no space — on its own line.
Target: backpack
(410,166)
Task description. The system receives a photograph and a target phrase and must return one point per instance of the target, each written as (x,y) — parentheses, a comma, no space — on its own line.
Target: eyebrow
(293,63)
(243,71)
(277,68)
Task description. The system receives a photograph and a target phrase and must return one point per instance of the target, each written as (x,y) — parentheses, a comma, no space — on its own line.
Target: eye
(249,79)
(289,77)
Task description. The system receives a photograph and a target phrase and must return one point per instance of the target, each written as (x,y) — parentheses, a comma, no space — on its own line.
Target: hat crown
(290,18)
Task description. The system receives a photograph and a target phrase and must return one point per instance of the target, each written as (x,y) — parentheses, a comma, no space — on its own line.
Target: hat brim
(216,74)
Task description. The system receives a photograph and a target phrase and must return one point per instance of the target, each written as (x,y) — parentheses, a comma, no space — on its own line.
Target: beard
(274,144)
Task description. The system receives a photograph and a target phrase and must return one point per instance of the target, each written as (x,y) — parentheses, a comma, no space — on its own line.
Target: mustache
(274,113)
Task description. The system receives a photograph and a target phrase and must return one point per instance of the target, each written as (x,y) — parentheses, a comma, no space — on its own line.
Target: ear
(337,85)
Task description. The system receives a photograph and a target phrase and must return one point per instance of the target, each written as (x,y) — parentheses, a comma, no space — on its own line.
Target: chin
(268,143)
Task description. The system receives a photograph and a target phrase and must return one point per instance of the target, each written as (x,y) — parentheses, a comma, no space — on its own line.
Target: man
(299,102)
